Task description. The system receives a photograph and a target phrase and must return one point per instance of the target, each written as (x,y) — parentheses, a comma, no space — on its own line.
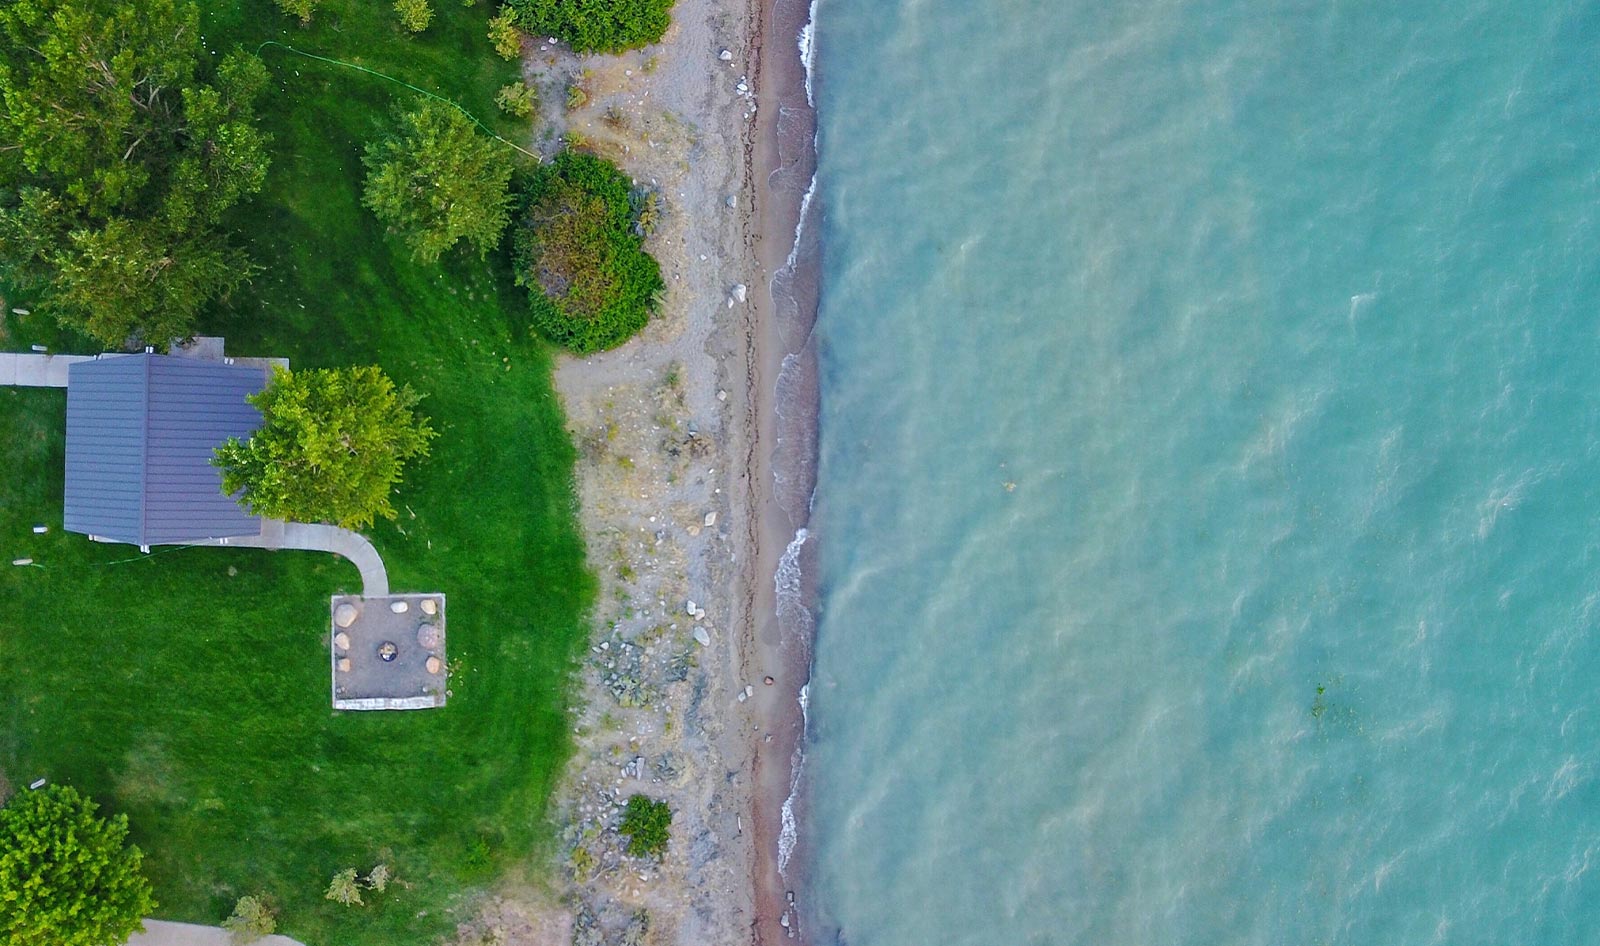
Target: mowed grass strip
(189,688)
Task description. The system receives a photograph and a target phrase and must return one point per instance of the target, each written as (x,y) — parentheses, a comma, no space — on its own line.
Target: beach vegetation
(68,876)
(647,823)
(250,920)
(517,98)
(124,148)
(437,182)
(332,446)
(595,26)
(577,250)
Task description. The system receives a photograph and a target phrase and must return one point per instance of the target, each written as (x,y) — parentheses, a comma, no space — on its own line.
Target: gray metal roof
(141,430)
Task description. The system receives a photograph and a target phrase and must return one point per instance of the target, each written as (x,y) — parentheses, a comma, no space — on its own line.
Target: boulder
(344,665)
(399,607)
(428,636)
(345,614)
(341,640)
(434,664)
(429,606)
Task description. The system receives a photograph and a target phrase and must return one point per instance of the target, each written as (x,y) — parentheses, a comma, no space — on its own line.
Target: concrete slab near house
(388,653)
(166,933)
(31,370)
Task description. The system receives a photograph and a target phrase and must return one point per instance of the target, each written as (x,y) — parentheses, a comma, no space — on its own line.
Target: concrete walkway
(37,371)
(163,933)
(277,534)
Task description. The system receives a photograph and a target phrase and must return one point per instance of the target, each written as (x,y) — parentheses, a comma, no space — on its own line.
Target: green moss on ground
(189,688)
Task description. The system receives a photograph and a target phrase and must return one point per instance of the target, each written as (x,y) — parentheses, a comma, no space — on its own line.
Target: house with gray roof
(141,432)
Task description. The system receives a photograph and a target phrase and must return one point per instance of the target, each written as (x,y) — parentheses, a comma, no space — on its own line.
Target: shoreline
(679,434)
(780,462)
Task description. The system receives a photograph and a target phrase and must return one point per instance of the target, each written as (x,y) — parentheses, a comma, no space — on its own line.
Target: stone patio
(388,652)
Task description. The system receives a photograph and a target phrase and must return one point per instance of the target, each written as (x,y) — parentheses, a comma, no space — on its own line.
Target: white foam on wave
(786,582)
(808,48)
(789,835)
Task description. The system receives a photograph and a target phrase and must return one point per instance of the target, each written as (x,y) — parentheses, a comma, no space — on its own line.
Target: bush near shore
(594,26)
(577,249)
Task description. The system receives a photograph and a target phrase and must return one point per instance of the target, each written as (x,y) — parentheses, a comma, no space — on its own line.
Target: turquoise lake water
(1209,486)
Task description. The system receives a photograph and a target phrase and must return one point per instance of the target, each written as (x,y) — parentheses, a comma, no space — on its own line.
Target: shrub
(300,8)
(438,182)
(344,889)
(595,26)
(518,98)
(591,284)
(505,36)
(67,877)
(415,15)
(251,919)
(647,824)
(332,445)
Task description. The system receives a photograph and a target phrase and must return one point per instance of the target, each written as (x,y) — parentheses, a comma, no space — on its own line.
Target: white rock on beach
(702,637)
(689,608)
(711,519)
(726,55)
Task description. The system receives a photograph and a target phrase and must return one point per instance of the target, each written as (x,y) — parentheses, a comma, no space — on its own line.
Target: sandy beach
(690,690)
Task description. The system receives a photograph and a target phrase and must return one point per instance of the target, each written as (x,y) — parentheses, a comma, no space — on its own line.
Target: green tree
(505,36)
(438,181)
(591,284)
(300,8)
(595,26)
(110,126)
(648,824)
(251,919)
(415,15)
(67,876)
(332,446)
(344,889)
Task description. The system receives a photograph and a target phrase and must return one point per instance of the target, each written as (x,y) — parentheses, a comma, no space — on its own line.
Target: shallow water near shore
(1208,474)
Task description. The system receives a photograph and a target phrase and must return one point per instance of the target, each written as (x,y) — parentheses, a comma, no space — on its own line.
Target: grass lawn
(189,688)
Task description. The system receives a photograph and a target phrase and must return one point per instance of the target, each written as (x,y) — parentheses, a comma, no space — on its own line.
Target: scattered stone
(433,664)
(345,614)
(726,55)
(344,665)
(690,607)
(767,681)
(743,696)
(428,636)
(40,530)
(399,607)
(740,292)
(702,637)
(722,395)
(430,606)
(22,561)
(749,691)
(711,519)
(36,784)
(742,87)
(341,640)
(730,201)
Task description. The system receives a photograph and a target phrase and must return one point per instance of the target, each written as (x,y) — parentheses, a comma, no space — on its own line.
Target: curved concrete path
(164,933)
(316,537)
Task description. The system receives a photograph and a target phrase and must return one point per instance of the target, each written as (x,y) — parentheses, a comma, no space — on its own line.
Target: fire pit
(387,651)
(392,655)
